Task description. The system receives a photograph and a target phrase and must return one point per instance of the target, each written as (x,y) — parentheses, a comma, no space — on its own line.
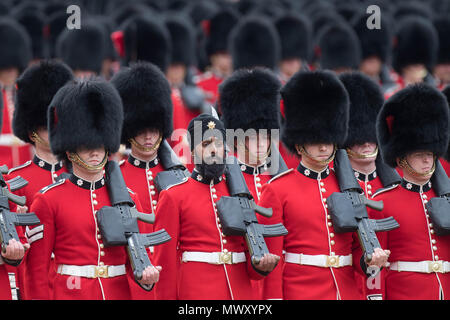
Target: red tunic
(69,230)
(298,201)
(39,174)
(413,241)
(139,177)
(13,151)
(209,83)
(187,212)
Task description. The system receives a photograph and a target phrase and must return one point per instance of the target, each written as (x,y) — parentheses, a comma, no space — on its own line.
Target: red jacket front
(188,213)
(69,229)
(413,241)
(298,200)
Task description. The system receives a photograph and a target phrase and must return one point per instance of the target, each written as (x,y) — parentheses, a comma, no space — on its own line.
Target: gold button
(369,192)
(323,190)
(332,235)
(224,241)
(102,245)
(154,207)
(431,225)
(436,257)
(424,196)
(214,196)
(55,175)
(328,217)
(434,248)
(425,201)
(101,271)
(369,186)
(432,231)
(433,241)
(322,184)
(152,193)
(219,225)
(102,253)
(99,236)
(101,263)
(326,206)
(258,185)
(94,195)
(95,202)
(436,266)
(152,187)
(213,190)
(330,224)
(150,178)
(324,200)
(149,173)
(258,179)
(154,202)
(332,242)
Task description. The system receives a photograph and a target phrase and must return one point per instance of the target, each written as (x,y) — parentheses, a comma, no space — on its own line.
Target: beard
(210,171)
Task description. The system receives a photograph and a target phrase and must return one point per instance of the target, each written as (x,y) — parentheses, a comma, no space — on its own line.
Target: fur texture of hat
(146,98)
(415,118)
(16,45)
(316,108)
(86,114)
(35,89)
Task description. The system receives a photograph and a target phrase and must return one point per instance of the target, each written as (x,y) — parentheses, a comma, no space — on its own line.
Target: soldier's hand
(15,250)
(150,275)
(379,258)
(267,263)
(22,209)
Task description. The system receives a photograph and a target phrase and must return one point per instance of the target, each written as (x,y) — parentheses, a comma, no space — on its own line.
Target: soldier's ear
(298,148)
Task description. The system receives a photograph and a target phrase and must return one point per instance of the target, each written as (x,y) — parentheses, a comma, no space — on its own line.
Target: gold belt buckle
(436,266)
(101,272)
(332,261)
(225,258)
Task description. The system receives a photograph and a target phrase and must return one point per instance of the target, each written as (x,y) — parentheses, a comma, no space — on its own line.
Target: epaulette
(26,164)
(385,189)
(280,175)
(121,162)
(177,184)
(51,186)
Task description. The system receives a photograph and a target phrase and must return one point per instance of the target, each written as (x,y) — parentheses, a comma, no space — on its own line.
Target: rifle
(439,207)
(174,172)
(9,220)
(118,223)
(348,208)
(237,214)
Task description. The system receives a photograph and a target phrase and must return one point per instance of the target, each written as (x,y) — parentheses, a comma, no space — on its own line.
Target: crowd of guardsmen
(141,81)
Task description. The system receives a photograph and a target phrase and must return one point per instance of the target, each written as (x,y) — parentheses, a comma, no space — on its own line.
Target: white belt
(8,139)
(91,271)
(319,260)
(421,266)
(214,257)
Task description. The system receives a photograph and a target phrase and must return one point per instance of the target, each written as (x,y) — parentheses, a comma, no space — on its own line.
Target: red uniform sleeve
(42,239)
(273,283)
(167,255)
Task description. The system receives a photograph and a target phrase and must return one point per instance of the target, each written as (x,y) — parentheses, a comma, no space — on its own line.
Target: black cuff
(146,287)
(365,267)
(13,263)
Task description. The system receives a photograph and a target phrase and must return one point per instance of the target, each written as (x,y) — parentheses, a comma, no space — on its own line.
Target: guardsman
(13,256)
(35,89)
(200,262)
(319,263)
(445,161)
(295,33)
(146,98)
(366,100)
(413,132)
(220,65)
(84,122)
(414,52)
(14,58)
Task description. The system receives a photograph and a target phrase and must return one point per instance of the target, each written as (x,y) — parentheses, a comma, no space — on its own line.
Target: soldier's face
(421,161)
(257,148)
(148,138)
(365,149)
(92,157)
(210,151)
(319,151)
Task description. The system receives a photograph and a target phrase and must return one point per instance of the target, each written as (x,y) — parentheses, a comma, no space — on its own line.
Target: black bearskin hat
(339,47)
(416,43)
(35,89)
(295,33)
(182,35)
(442,25)
(316,109)
(250,99)
(33,21)
(146,98)
(374,42)
(366,100)
(219,29)
(415,118)
(85,114)
(15,50)
(254,42)
(147,40)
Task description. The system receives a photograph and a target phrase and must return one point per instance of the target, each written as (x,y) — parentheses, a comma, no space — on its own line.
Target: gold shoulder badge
(211,125)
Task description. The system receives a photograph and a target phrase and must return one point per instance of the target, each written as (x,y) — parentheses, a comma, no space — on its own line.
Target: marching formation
(225,150)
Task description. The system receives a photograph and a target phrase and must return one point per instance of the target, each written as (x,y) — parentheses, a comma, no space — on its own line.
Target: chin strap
(37,139)
(74,157)
(355,155)
(146,149)
(319,162)
(403,163)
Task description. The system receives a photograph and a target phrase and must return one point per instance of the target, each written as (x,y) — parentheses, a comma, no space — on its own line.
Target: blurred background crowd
(198,43)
